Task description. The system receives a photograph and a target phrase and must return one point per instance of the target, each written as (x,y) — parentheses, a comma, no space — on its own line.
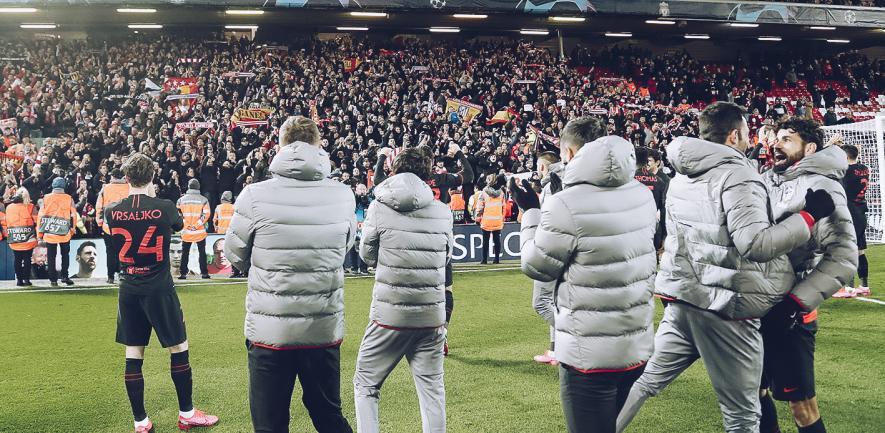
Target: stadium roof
(312,20)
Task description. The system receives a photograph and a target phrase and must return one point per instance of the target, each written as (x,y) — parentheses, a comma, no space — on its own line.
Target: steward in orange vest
(194,209)
(223,213)
(490,210)
(490,215)
(21,231)
(55,226)
(110,193)
(458,207)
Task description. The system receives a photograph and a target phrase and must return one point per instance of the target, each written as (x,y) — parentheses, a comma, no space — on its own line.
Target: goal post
(869,137)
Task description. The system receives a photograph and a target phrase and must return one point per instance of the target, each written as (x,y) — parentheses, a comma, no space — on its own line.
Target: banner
(88,257)
(420,69)
(250,117)
(185,90)
(542,142)
(350,64)
(235,74)
(7,124)
(194,125)
(465,111)
(503,116)
(189,60)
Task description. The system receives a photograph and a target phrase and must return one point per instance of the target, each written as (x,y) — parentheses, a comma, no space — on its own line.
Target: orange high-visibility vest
(2,224)
(194,210)
(20,227)
(223,213)
(110,193)
(457,206)
(57,218)
(491,212)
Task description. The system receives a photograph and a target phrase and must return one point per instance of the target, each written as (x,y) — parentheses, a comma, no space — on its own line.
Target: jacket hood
(693,156)
(492,192)
(301,161)
(607,161)
(830,162)
(404,192)
(193,191)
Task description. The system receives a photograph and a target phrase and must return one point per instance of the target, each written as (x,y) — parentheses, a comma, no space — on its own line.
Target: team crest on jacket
(789,190)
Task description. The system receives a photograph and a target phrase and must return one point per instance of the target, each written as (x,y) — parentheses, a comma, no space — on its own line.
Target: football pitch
(60,370)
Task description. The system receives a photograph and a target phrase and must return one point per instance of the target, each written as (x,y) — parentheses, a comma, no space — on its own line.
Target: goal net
(869,137)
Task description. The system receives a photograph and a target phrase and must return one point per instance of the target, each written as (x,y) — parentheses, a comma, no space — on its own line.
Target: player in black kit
(856,180)
(141,228)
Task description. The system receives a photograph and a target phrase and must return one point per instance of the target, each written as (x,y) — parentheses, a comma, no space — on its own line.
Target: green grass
(60,370)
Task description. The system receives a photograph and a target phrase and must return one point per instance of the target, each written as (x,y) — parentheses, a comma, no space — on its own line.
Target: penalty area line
(875,301)
(220,283)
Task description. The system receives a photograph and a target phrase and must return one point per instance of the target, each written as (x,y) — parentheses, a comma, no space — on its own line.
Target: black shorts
(859,216)
(138,314)
(449,274)
(788,368)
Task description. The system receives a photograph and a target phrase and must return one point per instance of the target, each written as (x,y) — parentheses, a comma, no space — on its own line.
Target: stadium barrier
(89,258)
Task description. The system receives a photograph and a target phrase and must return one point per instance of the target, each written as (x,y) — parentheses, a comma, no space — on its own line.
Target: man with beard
(722,269)
(823,265)
(86,255)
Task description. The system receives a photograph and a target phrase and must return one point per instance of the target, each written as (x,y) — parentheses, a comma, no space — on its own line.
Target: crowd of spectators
(91,104)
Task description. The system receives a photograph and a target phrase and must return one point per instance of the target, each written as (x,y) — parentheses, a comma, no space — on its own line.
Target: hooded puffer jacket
(723,253)
(828,261)
(291,234)
(408,235)
(595,238)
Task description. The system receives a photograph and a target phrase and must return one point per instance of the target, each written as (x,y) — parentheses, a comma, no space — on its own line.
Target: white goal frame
(869,137)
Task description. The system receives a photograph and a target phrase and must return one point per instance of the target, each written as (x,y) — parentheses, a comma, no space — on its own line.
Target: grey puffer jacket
(723,253)
(291,233)
(595,239)
(828,261)
(408,235)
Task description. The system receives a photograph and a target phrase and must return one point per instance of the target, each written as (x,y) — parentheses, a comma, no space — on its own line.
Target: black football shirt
(141,227)
(856,179)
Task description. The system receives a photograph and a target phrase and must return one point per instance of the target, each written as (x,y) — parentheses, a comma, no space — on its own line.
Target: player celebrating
(856,180)
(822,265)
(141,227)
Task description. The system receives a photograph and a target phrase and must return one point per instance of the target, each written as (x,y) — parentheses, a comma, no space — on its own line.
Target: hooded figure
(290,234)
(223,213)
(595,238)
(194,208)
(408,236)
(490,216)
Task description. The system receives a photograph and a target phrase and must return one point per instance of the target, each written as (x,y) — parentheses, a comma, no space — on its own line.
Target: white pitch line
(875,301)
(209,283)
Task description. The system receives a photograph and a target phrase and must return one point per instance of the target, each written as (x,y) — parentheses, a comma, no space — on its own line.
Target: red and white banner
(189,60)
(237,74)
(183,126)
(9,123)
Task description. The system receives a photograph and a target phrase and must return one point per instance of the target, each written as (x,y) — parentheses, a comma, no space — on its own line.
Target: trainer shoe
(68,281)
(149,428)
(547,357)
(53,283)
(200,419)
(845,292)
(182,277)
(110,280)
(863,291)
(205,277)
